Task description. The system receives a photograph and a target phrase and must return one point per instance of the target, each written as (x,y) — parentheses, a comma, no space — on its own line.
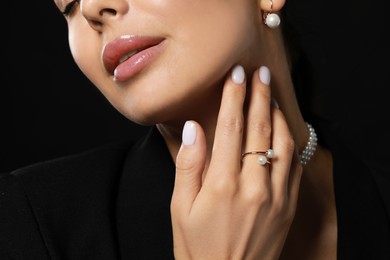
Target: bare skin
(313,233)
(235,209)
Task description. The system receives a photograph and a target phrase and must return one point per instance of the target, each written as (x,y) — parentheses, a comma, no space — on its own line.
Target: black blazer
(113,203)
(108,203)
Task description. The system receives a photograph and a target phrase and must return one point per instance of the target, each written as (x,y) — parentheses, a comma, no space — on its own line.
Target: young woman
(219,173)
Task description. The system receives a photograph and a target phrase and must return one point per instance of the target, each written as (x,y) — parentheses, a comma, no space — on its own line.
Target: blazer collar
(143,202)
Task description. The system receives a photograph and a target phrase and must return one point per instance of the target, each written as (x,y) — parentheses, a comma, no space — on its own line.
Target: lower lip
(136,63)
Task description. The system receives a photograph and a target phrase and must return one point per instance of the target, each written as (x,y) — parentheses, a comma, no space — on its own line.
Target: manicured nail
(265,75)
(238,74)
(189,133)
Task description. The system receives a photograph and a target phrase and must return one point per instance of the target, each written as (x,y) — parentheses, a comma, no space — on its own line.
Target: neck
(205,109)
(283,89)
(205,112)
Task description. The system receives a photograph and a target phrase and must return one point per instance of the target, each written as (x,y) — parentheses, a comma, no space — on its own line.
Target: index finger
(226,154)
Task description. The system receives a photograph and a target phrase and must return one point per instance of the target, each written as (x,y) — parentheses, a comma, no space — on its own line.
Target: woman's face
(179,50)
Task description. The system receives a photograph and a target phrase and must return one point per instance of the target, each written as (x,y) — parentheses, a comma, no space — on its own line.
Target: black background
(47,107)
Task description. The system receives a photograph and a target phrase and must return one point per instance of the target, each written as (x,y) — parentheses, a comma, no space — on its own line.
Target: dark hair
(298,63)
(290,36)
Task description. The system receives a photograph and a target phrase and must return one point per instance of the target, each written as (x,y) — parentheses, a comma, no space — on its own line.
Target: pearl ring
(264,156)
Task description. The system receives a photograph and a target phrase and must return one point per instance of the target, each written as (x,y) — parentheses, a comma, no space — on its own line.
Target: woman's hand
(241,209)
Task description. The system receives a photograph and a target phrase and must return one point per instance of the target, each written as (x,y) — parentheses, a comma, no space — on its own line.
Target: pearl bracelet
(311,146)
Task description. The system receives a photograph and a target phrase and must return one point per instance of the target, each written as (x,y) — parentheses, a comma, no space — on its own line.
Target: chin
(142,115)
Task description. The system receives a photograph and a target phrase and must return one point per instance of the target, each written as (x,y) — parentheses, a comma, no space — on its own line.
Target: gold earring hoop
(271,19)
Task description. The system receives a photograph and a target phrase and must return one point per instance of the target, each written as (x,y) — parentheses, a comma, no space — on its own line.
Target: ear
(277,5)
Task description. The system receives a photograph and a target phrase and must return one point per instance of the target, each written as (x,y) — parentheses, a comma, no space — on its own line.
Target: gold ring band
(263,158)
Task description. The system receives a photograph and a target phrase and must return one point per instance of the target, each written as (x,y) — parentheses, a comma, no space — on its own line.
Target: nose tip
(108,11)
(97,23)
(99,12)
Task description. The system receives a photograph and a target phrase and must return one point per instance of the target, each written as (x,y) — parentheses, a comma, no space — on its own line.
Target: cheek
(85,48)
(217,34)
(207,43)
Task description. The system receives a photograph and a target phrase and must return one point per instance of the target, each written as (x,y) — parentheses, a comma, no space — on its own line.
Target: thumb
(190,163)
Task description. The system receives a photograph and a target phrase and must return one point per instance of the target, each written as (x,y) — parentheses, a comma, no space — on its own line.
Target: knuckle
(185,163)
(257,197)
(232,125)
(225,188)
(287,143)
(262,127)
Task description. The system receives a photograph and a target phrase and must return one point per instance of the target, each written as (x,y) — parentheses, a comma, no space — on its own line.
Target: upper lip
(125,46)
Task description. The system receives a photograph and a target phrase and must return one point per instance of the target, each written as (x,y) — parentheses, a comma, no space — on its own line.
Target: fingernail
(238,74)
(265,75)
(189,133)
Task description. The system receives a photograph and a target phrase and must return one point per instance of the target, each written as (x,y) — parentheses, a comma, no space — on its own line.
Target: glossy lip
(145,48)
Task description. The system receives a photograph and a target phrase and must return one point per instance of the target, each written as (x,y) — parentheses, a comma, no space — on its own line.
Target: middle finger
(230,124)
(258,122)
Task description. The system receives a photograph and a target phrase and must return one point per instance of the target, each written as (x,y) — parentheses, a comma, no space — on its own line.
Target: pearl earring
(272,20)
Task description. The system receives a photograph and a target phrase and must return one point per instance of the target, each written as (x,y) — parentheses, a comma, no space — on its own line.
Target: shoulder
(68,176)
(62,202)
(104,156)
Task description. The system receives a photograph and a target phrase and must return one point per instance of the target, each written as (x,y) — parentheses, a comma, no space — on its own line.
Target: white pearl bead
(272,20)
(262,160)
(270,153)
